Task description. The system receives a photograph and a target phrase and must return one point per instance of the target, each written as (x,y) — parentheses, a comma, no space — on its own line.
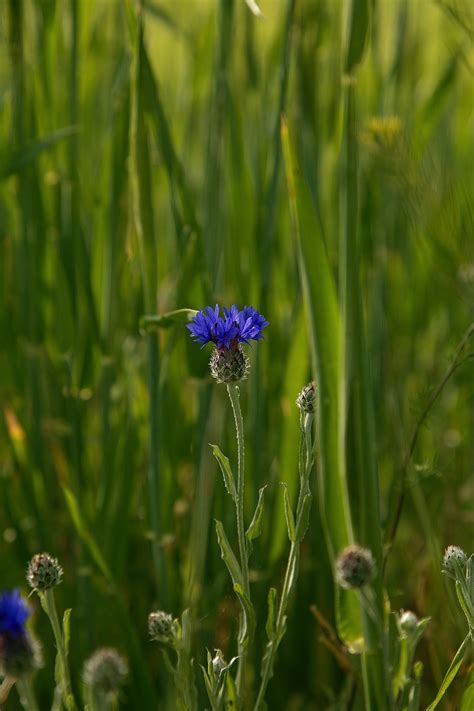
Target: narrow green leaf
(248,631)
(67,629)
(227,555)
(171,318)
(324,328)
(450,674)
(84,532)
(290,519)
(303,521)
(465,605)
(255,528)
(359,20)
(209,689)
(227,475)
(270,624)
(401,674)
(467,701)
(231,699)
(16,161)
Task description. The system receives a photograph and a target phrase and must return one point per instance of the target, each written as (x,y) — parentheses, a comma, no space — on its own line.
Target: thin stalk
(27,694)
(49,604)
(100,702)
(234,397)
(456,362)
(305,465)
(5,687)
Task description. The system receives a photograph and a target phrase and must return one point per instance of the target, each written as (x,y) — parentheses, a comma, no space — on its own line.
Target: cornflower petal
(229,330)
(13,613)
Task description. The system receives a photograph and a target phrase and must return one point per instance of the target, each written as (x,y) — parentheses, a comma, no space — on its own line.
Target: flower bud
(160,626)
(218,662)
(408,622)
(44,572)
(306,399)
(19,656)
(105,671)
(229,365)
(355,567)
(455,561)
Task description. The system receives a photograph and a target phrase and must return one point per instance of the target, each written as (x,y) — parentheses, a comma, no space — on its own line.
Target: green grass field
(315,162)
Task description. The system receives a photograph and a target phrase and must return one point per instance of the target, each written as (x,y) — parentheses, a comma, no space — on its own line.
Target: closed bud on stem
(105,671)
(408,622)
(229,365)
(355,567)
(306,399)
(44,572)
(455,561)
(160,626)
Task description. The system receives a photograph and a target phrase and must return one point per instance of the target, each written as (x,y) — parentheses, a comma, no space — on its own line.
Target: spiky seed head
(306,399)
(454,561)
(355,567)
(19,656)
(408,622)
(229,365)
(43,572)
(160,626)
(105,671)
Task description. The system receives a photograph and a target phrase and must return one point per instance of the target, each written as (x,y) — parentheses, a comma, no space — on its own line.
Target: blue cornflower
(227,331)
(13,613)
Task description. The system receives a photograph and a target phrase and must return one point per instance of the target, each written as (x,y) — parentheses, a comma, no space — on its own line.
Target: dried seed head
(19,656)
(408,622)
(306,399)
(105,671)
(455,561)
(43,572)
(229,365)
(160,626)
(355,567)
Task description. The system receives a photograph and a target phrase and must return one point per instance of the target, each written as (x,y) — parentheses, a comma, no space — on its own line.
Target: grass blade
(324,328)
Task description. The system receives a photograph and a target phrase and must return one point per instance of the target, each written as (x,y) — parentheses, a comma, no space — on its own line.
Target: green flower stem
(49,605)
(305,466)
(27,694)
(234,397)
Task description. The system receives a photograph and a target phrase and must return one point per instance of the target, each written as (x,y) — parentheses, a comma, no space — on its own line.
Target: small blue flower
(227,331)
(13,613)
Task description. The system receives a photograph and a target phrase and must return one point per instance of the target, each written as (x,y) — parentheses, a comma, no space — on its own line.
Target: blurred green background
(142,173)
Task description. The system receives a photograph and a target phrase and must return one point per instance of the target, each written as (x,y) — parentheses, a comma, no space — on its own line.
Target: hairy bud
(43,572)
(355,567)
(306,399)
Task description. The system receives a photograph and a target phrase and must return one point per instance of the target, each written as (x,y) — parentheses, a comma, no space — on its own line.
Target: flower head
(13,614)
(355,567)
(306,399)
(160,626)
(105,671)
(43,572)
(408,622)
(228,330)
(454,562)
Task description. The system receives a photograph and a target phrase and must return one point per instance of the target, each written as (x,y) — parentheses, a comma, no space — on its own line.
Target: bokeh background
(143,173)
